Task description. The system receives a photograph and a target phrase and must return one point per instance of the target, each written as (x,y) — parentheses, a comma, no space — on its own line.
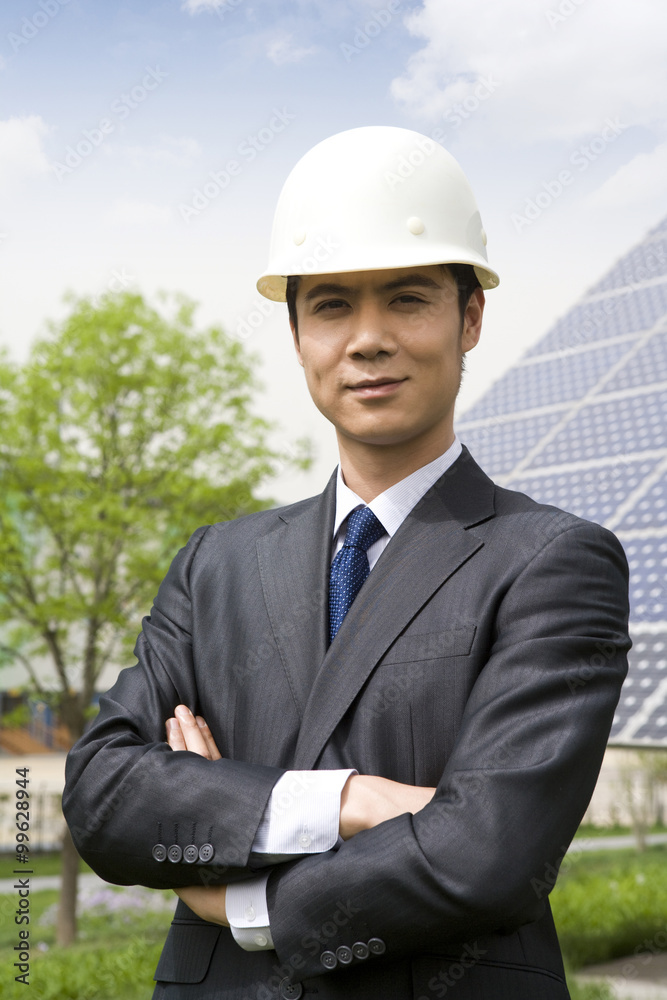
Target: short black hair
(463,274)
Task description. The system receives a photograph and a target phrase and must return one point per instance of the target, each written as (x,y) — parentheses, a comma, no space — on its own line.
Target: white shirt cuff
(248,914)
(302,815)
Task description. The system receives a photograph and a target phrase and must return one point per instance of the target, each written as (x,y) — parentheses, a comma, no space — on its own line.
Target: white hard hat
(370,198)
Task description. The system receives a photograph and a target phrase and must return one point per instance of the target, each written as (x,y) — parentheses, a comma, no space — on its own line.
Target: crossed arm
(458,863)
(366,801)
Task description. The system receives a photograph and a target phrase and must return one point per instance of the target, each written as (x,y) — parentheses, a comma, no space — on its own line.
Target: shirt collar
(393,506)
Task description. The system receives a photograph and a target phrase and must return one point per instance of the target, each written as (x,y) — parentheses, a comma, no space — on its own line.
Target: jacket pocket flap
(431,645)
(187,952)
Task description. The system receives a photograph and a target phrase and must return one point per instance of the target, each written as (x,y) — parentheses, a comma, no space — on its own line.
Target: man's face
(382,351)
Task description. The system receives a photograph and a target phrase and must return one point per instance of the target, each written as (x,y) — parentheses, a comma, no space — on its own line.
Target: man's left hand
(185,732)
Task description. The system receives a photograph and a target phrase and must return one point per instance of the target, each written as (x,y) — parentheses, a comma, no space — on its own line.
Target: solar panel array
(581,422)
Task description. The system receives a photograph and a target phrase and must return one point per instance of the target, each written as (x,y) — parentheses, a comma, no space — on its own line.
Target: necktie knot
(363,528)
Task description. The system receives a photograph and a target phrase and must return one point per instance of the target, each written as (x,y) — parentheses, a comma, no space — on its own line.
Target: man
(386,706)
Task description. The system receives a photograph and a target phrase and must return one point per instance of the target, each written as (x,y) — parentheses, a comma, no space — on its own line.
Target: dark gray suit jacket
(484,654)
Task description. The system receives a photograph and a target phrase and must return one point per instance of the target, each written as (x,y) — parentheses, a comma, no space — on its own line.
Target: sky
(118,121)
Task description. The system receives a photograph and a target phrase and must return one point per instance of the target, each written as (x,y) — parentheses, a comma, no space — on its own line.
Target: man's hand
(185,732)
(367,800)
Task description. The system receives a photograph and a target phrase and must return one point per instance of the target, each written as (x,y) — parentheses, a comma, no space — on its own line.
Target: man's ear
(297,347)
(472,320)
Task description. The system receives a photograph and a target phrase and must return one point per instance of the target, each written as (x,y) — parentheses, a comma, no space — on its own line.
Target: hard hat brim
(274,286)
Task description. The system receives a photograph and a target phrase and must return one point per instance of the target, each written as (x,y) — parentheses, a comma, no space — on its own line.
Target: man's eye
(330,304)
(408,297)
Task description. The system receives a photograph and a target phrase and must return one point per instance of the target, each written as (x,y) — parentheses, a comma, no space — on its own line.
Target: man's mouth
(370,388)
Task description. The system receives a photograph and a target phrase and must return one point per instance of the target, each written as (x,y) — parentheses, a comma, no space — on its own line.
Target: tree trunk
(71,713)
(66,927)
(639,830)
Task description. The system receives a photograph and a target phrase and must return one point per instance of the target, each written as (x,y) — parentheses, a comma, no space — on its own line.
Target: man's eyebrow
(327,288)
(420,280)
(406,281)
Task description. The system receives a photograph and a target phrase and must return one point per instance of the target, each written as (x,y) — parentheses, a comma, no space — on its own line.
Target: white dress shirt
(302,815)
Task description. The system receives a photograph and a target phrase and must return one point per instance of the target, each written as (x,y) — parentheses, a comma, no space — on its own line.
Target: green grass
(591,991)
(589,830)
(114,958)
(606,904)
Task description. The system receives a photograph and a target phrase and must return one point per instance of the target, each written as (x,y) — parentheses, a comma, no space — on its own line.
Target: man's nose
(370,332)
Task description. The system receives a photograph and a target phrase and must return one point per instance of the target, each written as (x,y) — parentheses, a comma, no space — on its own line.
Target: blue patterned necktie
(350,567)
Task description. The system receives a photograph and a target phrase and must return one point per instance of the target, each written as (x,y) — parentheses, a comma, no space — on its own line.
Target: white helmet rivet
(299,237)
(483,234)
(415,225)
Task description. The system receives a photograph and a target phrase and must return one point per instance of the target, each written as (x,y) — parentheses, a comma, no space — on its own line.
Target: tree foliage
(125,429)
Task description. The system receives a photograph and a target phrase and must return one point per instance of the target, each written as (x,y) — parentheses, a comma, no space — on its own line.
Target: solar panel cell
(616,427)
(557,380)
(644,263)
(499,447)
(647,365)
(646,679)
(595,493)
(647,559)
(615,316)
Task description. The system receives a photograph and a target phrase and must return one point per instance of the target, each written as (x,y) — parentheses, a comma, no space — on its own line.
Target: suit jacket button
(360,949)
(206,852)
(190,854)
(159,852)
(290,991)
(377,946)
(344,954)
(328,960)
(175,853)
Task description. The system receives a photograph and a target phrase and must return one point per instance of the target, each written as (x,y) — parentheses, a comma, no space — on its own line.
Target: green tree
(125,429)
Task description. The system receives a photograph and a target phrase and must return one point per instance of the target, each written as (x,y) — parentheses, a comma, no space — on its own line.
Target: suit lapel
(294,570)
(431,545)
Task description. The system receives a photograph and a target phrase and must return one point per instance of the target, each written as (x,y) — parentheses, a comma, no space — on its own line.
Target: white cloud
(181,151)
(282,50)
(219,7)
(125,212)
(557,76)
(21,153)
(642,180)
(196,6)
